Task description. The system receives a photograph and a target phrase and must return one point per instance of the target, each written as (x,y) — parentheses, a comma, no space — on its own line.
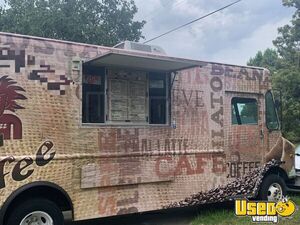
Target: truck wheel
(36,211)
(272,188)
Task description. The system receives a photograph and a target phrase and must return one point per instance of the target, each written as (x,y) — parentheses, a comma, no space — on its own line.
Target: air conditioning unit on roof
(130,45)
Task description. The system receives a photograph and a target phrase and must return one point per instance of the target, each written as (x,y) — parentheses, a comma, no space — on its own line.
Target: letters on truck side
(107,131)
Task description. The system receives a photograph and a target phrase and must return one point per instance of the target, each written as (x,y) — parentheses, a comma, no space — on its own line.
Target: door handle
(262,134)
(1,140)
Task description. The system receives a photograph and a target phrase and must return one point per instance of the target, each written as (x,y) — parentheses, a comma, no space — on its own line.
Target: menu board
(137,101)
(118,88)
(118,100)
(127,94)
(119,109)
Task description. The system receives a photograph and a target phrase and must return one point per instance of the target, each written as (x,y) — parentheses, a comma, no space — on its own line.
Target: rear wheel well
(47,190)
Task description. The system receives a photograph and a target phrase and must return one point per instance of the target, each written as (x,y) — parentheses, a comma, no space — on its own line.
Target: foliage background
(284,64)
(102,22)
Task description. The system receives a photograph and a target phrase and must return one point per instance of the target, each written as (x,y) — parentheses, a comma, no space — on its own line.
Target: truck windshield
(271,114)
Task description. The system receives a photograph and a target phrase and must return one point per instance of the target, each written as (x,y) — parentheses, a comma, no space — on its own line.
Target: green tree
(257,60)
(287,79)
(288,82)
(284,64)
(103,22)
(268,59)
(288,41)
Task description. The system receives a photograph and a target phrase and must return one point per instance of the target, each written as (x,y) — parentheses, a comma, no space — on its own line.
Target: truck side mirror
(277,104)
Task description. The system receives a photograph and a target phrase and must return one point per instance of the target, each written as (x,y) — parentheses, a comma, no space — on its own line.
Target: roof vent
(130,45)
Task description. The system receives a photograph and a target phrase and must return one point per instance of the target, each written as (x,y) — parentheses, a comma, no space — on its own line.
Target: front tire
(273,188)
(36,211)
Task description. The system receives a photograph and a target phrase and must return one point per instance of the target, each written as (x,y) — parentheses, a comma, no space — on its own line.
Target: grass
(225,216)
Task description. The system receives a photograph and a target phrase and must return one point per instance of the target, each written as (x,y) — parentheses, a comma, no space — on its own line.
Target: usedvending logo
(264,211)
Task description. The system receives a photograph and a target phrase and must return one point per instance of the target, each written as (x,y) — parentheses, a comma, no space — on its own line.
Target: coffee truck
(101,131)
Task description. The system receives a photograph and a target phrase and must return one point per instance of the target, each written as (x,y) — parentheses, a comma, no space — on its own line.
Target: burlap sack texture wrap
(109,170)
(244,187)
(282,154)
(283,151)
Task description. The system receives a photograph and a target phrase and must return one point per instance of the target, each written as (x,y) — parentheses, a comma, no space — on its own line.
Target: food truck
(104,131)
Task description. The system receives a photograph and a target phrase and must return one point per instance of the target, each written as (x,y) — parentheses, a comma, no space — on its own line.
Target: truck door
(245,135)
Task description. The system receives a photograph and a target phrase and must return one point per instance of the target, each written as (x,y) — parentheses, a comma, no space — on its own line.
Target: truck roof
(127,52)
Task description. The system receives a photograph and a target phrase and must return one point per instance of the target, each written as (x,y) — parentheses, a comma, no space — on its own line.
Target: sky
(231,36)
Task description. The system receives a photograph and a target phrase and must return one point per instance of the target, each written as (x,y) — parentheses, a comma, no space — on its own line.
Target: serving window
(120,96)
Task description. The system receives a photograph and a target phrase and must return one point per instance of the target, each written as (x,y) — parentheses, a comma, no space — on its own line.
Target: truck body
(107,131)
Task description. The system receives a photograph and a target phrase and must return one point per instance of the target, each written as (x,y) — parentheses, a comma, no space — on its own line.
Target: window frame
(275,110)
(237,113)
(167,98)
(108,123)
(82,98)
